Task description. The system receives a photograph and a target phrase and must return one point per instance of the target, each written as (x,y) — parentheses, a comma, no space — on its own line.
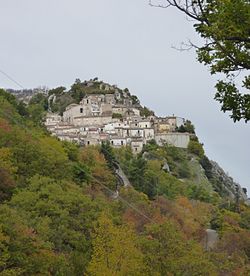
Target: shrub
(196,148)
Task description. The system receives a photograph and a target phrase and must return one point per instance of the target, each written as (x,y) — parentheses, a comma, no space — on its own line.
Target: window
(87,101)
(146,126)
(88,142)
(112,142)
(81,110)
(122,143)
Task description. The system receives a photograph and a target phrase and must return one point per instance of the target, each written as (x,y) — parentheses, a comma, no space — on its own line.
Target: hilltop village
(111,114)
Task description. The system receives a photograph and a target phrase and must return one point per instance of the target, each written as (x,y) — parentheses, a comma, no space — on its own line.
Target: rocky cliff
(229,186)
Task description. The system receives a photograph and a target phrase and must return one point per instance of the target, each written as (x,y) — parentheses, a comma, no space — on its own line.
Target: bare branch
(158,6)
(186,46)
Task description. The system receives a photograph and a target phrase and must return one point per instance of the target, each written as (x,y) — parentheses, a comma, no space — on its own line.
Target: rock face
(229,185)
(26,95)
(166,167)
(210,239)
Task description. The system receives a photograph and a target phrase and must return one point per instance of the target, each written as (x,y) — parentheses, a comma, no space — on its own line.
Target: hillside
(202,171)
(64,212)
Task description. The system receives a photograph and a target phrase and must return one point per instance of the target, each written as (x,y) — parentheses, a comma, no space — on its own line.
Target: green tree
(224,27)
(168,253)
(22,109)
(196,148)
(135,100)
(114,251)
(207,166)
(9,97)
(187,127)
(77,90)
(199,192)
(57,91)
(101,176)
(107,151)
(61,216)
(40,99)
(144,111)
(36,113)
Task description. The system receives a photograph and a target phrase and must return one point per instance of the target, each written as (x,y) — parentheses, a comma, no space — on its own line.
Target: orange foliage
(102,176)
(142,212)
(4,125)
(191,216)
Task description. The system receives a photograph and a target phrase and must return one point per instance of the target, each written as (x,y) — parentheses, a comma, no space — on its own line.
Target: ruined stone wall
(179,140)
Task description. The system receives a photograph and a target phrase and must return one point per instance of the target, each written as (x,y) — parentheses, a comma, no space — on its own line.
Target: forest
(59,215)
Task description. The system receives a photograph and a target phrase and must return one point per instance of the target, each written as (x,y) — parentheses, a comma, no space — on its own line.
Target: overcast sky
(128,43)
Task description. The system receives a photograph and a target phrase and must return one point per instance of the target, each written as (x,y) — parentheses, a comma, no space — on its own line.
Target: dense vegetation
(58,215)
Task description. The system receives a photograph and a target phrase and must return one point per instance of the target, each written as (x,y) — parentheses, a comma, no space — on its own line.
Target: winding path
(122,177)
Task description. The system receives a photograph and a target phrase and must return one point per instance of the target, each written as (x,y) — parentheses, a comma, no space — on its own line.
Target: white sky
(128,43)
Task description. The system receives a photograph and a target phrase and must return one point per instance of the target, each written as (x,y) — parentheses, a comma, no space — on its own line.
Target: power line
(130,205)
(11,79)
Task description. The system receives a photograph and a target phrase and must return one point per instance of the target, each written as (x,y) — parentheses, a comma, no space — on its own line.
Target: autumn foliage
(59,216)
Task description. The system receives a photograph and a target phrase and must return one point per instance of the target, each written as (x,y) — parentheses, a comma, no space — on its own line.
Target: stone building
(92,122)
(52,120)
(94,106)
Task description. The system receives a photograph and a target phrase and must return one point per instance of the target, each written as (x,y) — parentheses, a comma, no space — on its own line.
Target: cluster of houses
(114,117)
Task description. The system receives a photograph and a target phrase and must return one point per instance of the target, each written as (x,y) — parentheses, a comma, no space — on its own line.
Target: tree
(22,251)
(9,97)
(196,148)
(144,111)
(187,127)
(22,109)
(36,113)
(114,251)
(107,151)
(224,27)
(207,166)
(57,91)
(60,216)
(168,253)
(40,99)
(135,100)
(77,90)
(101,176)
